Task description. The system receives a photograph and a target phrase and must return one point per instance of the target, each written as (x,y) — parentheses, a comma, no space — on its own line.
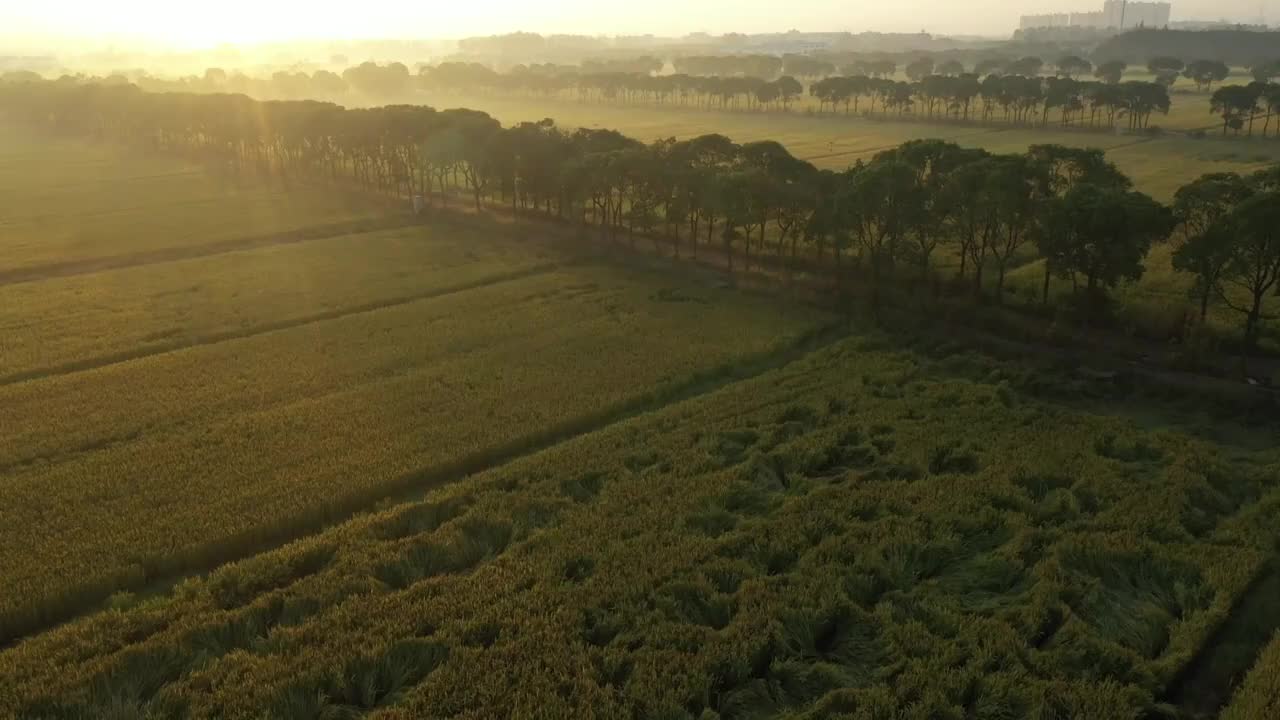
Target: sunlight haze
(241,21)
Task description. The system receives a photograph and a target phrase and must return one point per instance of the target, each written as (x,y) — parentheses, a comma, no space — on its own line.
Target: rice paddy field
(871,531)
(266,454)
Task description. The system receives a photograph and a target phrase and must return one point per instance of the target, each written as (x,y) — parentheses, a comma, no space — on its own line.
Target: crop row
(1259,697)
(116,476)
(865,533)
(81,319)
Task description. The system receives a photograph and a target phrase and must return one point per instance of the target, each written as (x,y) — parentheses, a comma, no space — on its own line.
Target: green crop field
(1158,165)
(866,529)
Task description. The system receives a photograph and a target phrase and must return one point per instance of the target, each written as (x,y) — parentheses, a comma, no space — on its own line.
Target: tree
(379,81)
(919,69)
(989,66)
(1254,264)
(767,94)
(1110,72)
(1071,66)
(1204,73)
(1106,233)
(951,68)
(1141,99)
(968,219)
(788,90)
(1010,198)
(1166,69)
(327,83)
(1264,71)
(1058,170)
(1235,104)
(1205,255)
(1027,67)
(882,199)
(1271,104)
(933,162)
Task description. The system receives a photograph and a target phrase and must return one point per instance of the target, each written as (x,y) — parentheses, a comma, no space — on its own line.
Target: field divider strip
(72,268)
(101,361)
(412,486)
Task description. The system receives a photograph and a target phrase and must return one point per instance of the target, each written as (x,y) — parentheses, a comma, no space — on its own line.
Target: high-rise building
(1125,15)
(1115,15)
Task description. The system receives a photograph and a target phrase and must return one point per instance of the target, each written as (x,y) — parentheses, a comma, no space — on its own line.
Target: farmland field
(63,201)
(164,414)
(96,318)
(239,438)
(866,529)
(1259,696)
(287,452)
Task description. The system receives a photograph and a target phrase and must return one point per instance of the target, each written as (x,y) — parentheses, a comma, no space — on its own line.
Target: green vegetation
(865,533)
(1259,696)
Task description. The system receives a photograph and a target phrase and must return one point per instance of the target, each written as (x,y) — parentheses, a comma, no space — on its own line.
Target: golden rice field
(141,468)
(90,319)
(867,532)
(1259,697)
(165,414)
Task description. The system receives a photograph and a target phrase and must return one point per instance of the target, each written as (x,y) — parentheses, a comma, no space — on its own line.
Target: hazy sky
(190,24)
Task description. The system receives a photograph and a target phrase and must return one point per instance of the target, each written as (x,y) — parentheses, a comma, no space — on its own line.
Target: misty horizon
(78,27)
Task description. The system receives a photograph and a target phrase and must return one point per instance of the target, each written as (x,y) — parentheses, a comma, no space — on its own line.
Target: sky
(193,25)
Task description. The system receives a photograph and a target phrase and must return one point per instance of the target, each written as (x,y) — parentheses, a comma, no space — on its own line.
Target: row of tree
(1017,99)
(892,217)
(1012,98)
(1240,106)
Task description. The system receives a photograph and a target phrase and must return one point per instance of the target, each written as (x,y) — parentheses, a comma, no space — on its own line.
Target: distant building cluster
(1115,15)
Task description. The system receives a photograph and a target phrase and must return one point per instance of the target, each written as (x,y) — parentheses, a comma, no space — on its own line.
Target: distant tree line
(891,217)
(1230,47)
(940,93)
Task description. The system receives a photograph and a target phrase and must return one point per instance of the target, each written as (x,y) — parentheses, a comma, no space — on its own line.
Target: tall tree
(1072,66)
(1110,72)
(1009,192)
(1254,265)
(1235,104)
(920,68)
(1166,69)
(1106,234)
(1204,73)
(1029,66)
